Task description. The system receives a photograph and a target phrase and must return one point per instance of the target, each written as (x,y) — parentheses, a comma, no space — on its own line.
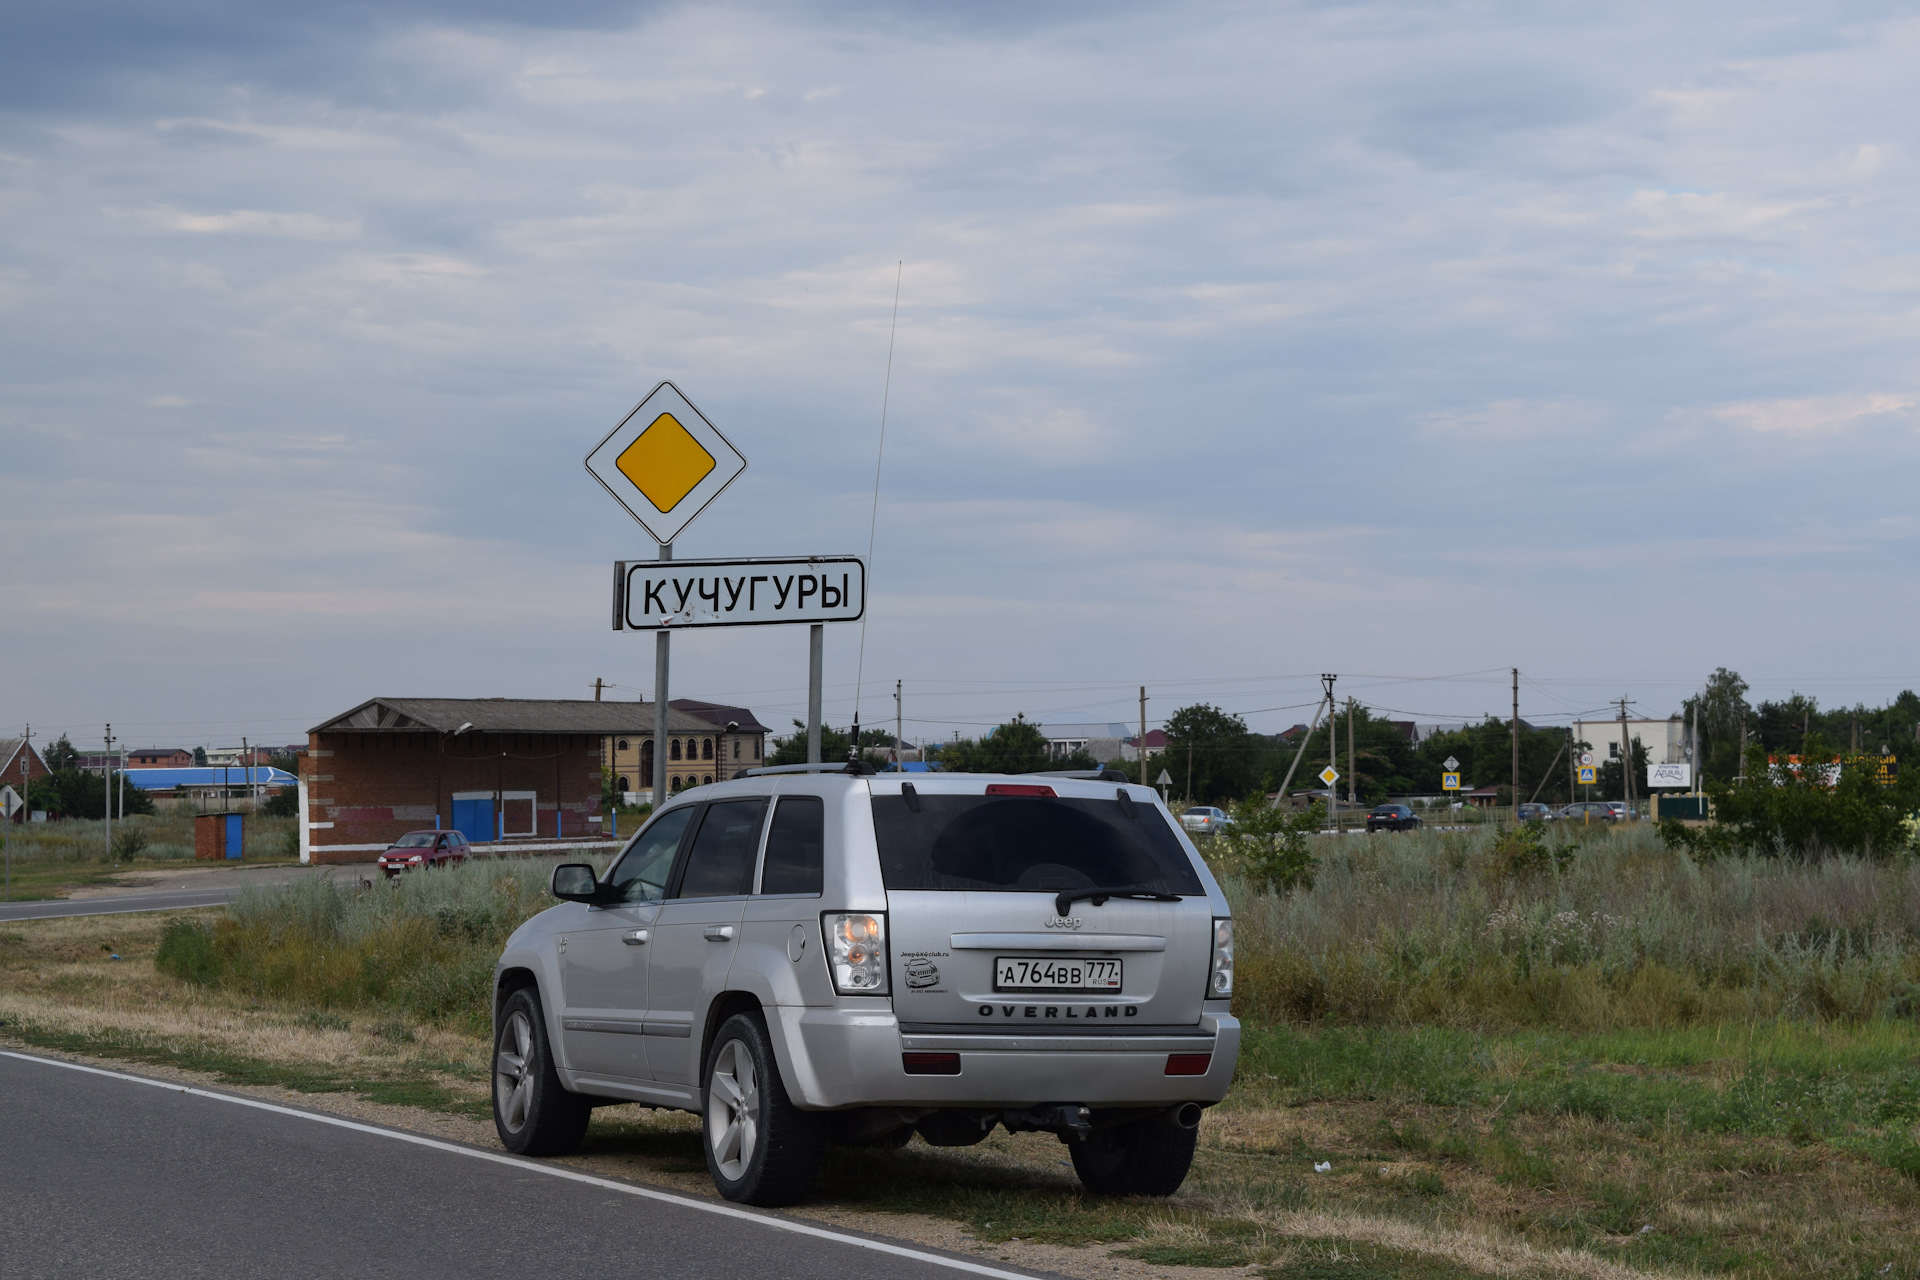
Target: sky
(1235,344)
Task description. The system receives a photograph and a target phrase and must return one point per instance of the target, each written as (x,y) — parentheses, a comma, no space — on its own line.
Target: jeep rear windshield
(1027,844)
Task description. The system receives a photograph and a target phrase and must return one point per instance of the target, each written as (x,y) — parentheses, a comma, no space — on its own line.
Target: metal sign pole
(660,647)
(816,662)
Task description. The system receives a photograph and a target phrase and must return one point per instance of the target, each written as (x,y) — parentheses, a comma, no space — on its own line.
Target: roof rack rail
(1089,775)
(858,768)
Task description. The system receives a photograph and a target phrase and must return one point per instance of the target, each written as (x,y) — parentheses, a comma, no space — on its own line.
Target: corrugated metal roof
(209,776)
(508,715)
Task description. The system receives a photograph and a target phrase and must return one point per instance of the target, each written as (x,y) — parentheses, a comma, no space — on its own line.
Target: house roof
(508,715)
(10,756)
(718,714)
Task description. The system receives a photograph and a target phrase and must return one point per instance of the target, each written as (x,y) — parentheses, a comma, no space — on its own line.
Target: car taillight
(1220,980)
(930,1064)
(857,953)
(1020,789)
(1185,1064)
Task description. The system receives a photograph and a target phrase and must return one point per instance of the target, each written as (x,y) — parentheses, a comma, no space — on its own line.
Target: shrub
(130,843)
(1268,844)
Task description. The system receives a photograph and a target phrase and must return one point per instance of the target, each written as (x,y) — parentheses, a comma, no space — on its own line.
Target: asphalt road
(118,904)
(112,1175)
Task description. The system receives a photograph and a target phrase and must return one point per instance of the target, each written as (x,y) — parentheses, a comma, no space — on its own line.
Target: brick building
(727,740)
(12,752)
(518,771)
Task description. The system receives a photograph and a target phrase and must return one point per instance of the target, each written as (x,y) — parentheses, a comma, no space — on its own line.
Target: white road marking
(552,1171)
(68,909)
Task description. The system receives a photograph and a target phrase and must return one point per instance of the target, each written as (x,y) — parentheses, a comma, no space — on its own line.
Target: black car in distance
(1392,817)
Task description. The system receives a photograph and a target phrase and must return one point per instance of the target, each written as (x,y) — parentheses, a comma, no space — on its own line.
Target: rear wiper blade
(1067,897)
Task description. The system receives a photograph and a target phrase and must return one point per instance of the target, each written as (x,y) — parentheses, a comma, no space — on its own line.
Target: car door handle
(634,937)
(719,933)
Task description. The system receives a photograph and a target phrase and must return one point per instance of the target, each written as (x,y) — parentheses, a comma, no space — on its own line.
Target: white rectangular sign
(649,595)
(1669,775)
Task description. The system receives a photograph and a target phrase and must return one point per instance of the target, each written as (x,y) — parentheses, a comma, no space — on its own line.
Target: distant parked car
(1537,812)
(1204,820)
(1392,817)
(418,849)
(1593,811)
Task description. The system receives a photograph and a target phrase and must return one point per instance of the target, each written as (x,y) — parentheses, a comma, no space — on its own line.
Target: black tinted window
(642,874)
(1026,843)
(721,860)
(796,846)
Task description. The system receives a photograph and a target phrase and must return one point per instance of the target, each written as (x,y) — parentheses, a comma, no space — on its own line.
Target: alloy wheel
(513,1071)
(733,1110)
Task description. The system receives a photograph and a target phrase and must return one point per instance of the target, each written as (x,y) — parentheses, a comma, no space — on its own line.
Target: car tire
(532,1111)
(1147,1157)
(761,1149)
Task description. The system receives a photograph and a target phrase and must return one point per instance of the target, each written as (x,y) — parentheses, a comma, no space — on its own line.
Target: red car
(423,849)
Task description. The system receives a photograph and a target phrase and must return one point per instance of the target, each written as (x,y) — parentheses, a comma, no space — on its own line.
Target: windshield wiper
(1067,897)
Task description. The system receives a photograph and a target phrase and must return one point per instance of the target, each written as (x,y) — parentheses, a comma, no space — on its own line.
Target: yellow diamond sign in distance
(665,463)
(1329,775)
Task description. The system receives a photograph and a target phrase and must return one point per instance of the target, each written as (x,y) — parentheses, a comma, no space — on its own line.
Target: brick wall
(371,788)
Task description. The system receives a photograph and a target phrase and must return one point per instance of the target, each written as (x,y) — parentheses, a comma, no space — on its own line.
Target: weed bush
(424,944)
(1608,928)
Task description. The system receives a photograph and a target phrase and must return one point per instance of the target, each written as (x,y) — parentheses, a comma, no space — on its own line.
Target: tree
(1014,747)
(60,756)
(1807,809)
(1210,755)
(200,757)
(69,793)
(1721,708)
(833,746)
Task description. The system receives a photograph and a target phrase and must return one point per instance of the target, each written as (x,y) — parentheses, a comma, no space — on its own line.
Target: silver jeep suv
(809,955)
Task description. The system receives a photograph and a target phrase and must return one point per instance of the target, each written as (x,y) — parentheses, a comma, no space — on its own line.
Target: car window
(414,840)
(641,875)
(1027,844)
(721,860)
(1194,809)
(796,846)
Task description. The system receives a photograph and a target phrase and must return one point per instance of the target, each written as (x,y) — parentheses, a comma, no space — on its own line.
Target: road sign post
(1164,781)
(10,804)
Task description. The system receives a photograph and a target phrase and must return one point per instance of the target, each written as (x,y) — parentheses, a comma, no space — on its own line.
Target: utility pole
(107,799)
(899,723)
(1573,767)
(1300,753)
(1333,751)
(1516,744)
(1189,771)
(1693,749)
(1143,736)
(1353,766)
(1742,775)
(1626,756)
(660,652)
(596,688)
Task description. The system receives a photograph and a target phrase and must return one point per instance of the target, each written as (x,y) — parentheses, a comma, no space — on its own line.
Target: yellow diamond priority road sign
(1329,775)
(665,462)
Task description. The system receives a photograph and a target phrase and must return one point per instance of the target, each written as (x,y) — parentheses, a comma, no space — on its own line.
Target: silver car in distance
(817,955)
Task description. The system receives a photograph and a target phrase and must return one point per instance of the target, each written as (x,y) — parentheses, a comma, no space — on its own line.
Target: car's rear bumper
(846,1058)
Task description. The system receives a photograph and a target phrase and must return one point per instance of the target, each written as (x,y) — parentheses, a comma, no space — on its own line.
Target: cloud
(255,222)
(1814,415)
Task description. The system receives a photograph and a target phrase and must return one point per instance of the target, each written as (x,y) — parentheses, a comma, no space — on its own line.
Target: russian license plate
(1035,973)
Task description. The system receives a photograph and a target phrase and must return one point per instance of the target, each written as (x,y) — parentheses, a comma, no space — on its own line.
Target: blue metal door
(234,836)
(474,820)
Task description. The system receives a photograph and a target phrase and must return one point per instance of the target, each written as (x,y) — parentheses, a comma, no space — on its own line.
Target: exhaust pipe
(1187,1115)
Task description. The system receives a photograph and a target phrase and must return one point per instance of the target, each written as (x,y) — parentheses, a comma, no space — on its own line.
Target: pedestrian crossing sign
(1449,782)
(1587,775)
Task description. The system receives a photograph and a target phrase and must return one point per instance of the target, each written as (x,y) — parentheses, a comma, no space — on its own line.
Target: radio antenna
(873,520)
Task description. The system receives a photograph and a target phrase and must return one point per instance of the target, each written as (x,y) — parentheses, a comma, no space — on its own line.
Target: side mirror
(576,882)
